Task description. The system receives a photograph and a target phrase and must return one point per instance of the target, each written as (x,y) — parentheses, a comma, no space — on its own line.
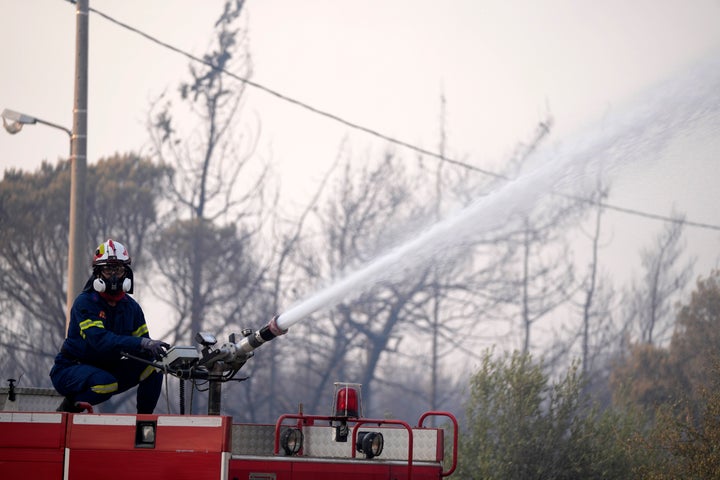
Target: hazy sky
(502,66)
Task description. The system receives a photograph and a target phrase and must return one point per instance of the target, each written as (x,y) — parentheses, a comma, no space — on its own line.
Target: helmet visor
(108,271)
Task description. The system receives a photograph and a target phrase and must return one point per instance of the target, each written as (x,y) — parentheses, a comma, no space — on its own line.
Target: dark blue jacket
(99,332)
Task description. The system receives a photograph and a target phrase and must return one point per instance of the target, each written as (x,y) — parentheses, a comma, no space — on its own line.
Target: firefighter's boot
(68,405)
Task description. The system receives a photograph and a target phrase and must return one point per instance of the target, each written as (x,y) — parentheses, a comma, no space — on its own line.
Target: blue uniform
(90,368)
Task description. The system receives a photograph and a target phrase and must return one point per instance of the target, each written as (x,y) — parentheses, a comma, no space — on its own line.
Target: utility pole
(78,161)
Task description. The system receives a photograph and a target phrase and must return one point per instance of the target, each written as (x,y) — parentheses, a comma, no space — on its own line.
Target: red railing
(303,419)
(455,435)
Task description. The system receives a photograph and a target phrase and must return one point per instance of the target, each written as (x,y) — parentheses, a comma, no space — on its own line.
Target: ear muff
(99,285)
(129,281)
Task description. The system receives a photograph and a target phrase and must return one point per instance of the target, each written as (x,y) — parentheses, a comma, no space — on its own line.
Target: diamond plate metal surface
(319,441)
(30,399)
(253,439)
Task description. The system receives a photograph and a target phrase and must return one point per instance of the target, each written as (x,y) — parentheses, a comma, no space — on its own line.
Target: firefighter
(104,322)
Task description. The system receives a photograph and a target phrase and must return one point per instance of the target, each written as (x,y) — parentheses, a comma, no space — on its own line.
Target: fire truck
(37,442)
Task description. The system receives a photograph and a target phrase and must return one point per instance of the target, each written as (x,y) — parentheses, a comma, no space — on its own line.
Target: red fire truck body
(85,446)
(37,442)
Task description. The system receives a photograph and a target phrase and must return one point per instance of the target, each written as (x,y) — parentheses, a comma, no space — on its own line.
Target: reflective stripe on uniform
(147,372)
(142,330)
(109,388)
(89,324)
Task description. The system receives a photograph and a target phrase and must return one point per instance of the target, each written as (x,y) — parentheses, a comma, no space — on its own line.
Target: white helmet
(112,254)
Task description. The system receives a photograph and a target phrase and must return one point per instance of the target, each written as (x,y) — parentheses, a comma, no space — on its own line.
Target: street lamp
(19,119)
(13,122)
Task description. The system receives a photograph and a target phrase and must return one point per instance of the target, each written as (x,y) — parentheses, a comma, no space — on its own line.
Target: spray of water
(636,134)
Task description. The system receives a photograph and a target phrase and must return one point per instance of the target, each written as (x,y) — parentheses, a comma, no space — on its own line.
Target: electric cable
(378,134)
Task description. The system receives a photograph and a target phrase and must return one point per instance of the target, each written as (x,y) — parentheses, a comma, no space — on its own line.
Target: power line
(299,103)
(660,217)
(376,133)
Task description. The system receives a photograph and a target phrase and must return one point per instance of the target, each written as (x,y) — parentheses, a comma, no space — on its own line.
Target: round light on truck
(291,441)
(370,443)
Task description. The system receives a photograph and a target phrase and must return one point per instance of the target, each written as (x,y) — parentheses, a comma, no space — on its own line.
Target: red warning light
(347,400)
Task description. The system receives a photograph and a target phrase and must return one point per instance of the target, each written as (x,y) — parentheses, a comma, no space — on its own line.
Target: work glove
(157,348)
